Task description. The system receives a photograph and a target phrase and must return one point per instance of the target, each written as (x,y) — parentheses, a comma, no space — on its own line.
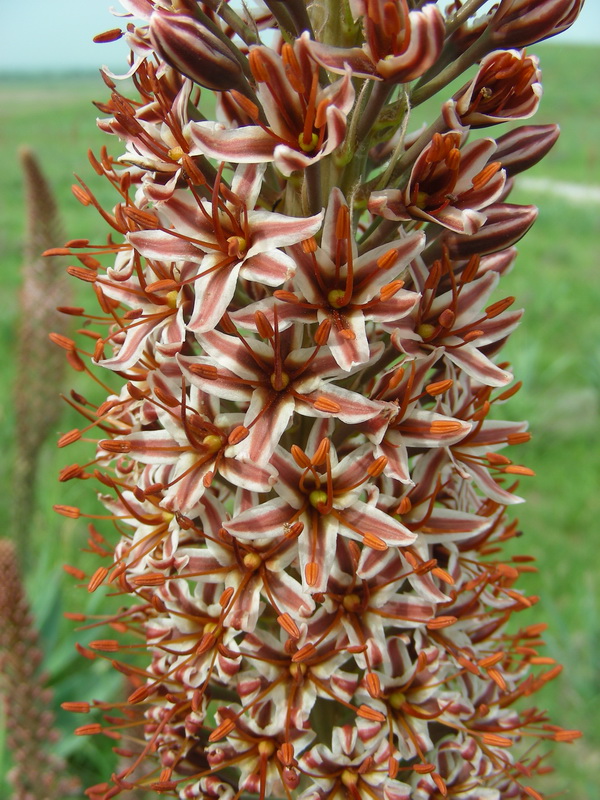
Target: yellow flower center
(307,148)
(317,498)
(236,246)
(252,561)
(266,748)
(397,699)
(279,382)
(351,602)
(349,778)
(212,442)
(171,298)
(335,298)
(426,330)
(175,153)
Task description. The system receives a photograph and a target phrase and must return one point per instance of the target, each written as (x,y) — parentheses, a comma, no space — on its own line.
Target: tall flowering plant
(303,454)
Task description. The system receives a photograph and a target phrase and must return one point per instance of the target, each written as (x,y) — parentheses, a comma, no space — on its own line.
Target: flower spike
(305,481)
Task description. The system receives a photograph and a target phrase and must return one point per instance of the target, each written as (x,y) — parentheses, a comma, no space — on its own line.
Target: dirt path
(571,192)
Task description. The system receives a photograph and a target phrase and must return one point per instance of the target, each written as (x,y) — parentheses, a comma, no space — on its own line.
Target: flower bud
(523,147)
(505,225)
(518,23)
(189,47)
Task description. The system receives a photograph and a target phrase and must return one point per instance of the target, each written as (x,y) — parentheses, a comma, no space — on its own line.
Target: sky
(57,35)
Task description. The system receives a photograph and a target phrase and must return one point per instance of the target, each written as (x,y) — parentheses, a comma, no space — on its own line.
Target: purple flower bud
(506,224)
(189,47)
(518,23)
(523,147)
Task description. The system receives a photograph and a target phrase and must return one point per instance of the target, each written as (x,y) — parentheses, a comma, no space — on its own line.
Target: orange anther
(373,684)
(222,730)
(105,645)
(517,469)
(370,713)
(373,541)
(74,571)
(495,740)
(76,708)
(89,730)
(288,625)
(304,653)
(388,260)
(321,453)
(440,622)
(97,579)
(311,573)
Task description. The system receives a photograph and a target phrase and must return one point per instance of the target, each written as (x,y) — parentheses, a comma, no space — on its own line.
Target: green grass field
(556,352)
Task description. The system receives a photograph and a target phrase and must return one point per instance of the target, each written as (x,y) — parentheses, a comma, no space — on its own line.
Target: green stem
(462,15)
(312,188)
(377,233)
(296,12)
(473,54)
(285,21)
(379,95)
(235,22)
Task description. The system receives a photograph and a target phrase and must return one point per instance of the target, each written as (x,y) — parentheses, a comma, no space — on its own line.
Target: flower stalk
(303,461)
(29,720)
(40,367)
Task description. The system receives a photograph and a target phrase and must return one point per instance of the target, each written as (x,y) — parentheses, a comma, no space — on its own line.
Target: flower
(277,380)
(400,44)
(304,122)
(227,238)
(333,283)
(447,185)
(326,505)
(507,86)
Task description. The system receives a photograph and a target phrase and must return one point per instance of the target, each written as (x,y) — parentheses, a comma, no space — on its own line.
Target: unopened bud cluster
(305,459)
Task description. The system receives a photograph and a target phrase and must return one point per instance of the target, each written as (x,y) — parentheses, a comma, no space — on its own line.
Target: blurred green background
(555,352)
